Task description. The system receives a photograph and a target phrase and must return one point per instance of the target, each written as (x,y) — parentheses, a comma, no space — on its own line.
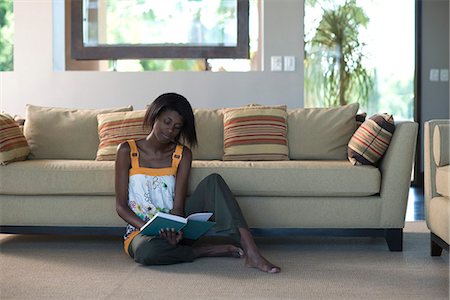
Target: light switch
(289,63)
(444,74)
(276,63)
(434,74)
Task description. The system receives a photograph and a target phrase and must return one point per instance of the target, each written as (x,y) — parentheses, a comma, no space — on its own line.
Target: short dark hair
(178,103)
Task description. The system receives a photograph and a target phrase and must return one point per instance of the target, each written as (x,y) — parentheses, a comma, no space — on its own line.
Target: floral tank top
(150,189)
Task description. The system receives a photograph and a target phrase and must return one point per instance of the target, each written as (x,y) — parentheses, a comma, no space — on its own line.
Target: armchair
(436,183)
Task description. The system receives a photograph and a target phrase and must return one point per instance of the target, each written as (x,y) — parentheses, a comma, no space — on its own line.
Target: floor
(415,208)
(76,267)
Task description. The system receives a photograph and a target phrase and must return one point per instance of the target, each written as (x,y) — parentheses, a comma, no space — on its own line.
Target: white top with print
(150,189)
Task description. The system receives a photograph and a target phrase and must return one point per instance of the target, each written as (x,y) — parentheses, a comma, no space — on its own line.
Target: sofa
(62,188)
(437,183)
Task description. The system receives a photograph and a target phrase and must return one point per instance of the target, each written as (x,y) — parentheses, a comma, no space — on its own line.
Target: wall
(34,81)
(435,55)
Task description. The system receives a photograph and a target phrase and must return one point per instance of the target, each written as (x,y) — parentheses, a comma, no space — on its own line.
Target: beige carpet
(55,267)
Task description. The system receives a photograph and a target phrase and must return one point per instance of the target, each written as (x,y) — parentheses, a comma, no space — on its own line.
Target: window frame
(145,51)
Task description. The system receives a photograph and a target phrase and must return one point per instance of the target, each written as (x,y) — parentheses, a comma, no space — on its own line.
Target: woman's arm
(122,169)
(181,183)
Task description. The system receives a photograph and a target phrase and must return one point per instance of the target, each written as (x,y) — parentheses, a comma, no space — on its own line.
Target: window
(361,51)
(137,29)
(6,35)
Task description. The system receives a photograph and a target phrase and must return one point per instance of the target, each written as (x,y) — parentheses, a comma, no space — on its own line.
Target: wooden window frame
(145,51)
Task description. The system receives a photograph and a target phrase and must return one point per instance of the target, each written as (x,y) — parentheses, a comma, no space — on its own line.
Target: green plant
(334,70)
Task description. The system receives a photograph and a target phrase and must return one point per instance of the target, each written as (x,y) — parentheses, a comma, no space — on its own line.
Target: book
(193,226)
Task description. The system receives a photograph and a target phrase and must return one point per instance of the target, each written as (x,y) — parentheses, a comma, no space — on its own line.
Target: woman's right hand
(171,236)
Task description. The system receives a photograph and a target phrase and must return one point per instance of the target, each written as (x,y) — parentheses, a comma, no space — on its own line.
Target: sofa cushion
(441,146)
(62,133)
(115,128)
(291,178)
(443,180)
(321,133)
(209,127)
(262,178)
(371,140)
(58,177)
(255,133)
(13,145)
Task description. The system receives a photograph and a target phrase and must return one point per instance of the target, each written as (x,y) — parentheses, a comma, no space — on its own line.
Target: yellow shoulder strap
(134,154)
(177,155)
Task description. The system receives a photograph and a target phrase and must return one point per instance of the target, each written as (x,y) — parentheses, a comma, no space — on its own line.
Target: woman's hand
(171,236)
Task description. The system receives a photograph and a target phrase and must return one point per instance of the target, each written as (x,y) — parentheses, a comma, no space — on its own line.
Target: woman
(152,175)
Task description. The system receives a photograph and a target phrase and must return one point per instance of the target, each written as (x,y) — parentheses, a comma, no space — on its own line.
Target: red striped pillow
(115,128)
(255,133)
(13,145)
(371,140)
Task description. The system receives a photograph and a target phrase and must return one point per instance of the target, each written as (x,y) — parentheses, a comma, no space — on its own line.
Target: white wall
(34,81)
(435,55)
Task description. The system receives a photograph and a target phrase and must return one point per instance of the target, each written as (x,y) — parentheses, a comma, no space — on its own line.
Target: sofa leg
(436,250)
(394,239)
(437,245)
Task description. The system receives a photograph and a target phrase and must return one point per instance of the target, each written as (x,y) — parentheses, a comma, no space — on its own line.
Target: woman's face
(167,126)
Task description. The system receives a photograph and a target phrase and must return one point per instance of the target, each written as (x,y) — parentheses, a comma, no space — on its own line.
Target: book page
(171,217)
(201,216)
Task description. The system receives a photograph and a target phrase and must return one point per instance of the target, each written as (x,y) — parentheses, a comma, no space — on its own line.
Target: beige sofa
(437,183)
(64,190)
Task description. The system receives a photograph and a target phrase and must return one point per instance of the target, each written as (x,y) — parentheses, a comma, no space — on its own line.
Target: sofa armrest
(396,170)
(429,161)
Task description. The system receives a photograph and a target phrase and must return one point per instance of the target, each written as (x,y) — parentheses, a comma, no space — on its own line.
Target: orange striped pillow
(115,128)
(13,145)
(255,133)
(371,140)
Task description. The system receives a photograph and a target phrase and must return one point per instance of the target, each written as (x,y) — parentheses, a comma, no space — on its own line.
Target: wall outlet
(276,63)
(289,63)
(443,74)
(434,74)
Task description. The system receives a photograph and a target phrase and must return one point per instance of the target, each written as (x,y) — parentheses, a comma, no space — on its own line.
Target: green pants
(212,194)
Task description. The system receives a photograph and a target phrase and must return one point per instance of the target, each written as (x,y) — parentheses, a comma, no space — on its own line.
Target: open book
(193,226)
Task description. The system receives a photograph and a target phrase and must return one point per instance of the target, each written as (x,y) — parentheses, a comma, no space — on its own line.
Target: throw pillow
(371,140)
(255,133)
(115,128)
(13,145)
(209,127)
(63,133)
(321,133)
(360,118)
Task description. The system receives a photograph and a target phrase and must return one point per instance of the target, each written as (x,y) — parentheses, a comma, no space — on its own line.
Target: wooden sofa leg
(394,239)
(437,245)
(436,250)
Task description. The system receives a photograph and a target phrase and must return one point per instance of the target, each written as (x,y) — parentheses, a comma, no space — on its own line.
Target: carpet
(67,267)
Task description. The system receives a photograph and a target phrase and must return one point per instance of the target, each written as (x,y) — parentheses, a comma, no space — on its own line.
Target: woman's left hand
(171,236)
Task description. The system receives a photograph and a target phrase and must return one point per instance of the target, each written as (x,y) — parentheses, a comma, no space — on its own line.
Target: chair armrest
(429,161)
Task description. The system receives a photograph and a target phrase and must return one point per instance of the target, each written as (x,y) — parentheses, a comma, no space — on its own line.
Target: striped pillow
(255,133)
(13,145)
(115,128)
(370,140)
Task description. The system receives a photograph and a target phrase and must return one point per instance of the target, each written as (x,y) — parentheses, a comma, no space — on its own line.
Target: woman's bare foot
(253,258)
(218,251)
(256,260)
